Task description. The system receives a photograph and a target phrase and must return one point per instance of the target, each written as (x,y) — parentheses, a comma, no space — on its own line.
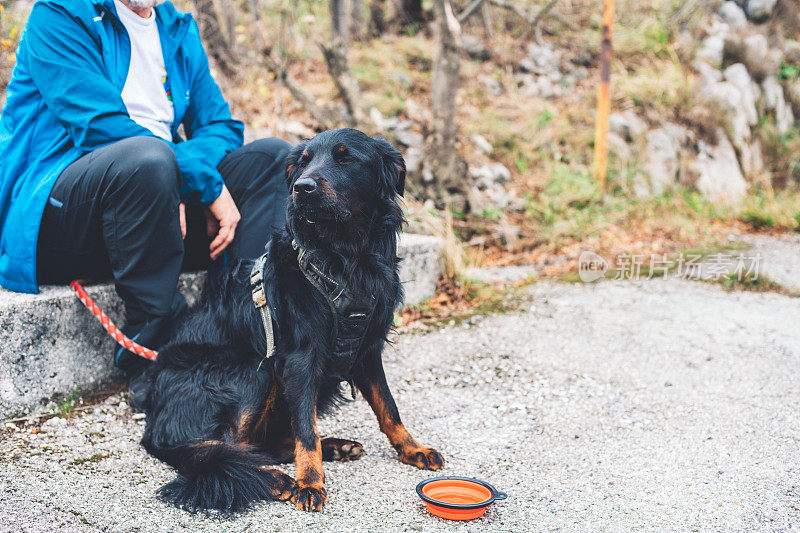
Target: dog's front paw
(423,457)
(284,486)
(341,450)
(310,498)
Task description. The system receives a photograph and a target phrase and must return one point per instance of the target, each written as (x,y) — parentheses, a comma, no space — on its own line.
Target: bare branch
(532,20)
(320,114)
(214,38)
(346,84)
(470,10)
(544,11)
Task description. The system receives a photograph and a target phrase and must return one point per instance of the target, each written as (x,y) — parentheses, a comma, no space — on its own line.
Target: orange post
(603,98)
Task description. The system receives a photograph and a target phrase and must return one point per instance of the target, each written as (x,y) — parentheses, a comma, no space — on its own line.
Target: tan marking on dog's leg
(311,494)
(408,449)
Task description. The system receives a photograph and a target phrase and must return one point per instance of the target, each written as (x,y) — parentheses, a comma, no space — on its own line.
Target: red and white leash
(109,326)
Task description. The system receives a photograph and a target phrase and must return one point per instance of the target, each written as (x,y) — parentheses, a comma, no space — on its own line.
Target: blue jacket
(64,100)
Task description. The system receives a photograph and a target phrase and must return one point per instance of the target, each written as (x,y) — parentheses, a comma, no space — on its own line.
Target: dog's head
(344,188)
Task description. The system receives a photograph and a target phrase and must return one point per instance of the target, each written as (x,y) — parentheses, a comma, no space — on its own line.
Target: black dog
(219,411)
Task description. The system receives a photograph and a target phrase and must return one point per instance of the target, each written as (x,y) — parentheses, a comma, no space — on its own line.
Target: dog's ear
(293,159)
(392,174)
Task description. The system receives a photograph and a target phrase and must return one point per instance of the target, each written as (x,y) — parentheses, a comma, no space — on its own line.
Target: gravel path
(779,257)
(665,405)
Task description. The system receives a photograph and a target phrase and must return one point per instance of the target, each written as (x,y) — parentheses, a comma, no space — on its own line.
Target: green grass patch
(68,405)
(755,283)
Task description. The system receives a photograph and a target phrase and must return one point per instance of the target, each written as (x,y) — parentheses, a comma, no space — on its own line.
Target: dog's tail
(226,476)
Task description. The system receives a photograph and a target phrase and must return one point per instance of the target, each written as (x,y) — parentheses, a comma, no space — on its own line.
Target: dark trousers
(113,213)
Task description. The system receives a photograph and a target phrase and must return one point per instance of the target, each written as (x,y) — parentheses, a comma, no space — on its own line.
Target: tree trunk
(357,19)
(447,170)
(411,12)
(336,59)
(377,16)
(213,37)
(340,24)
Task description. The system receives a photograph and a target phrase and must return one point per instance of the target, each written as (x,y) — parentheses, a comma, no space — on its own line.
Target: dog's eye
(341,155)
(305,157)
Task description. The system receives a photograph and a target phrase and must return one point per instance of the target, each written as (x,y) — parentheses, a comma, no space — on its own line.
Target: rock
(761,60)
(545,58)
(490,187)
(736,98)
(707,72)
(774,101)
(490,173)
(52,425)
(499,197)
(408,138)
(377,118)
(626,124)
(544,76)
(475,47)
(738,76)
(759,10)
(619,146)
(528,65)
(727,98)
(492,85)
(719,177)
(481,144)
(662,159)
(733,14)
(711,50)
(791,51)
(618,125)
(714,25)
(495,196)
(541,87)
(413,158)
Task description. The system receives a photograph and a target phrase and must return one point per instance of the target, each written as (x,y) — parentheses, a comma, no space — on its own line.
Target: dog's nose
(304,186)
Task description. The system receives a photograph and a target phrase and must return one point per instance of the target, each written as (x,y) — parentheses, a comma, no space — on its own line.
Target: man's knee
(268,157)
(257,166)
(148,165)
(269,145)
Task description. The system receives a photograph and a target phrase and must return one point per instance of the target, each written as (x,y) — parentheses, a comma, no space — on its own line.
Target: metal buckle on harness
(259,298)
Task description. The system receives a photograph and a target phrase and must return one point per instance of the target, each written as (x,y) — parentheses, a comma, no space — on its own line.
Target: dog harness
(351,312)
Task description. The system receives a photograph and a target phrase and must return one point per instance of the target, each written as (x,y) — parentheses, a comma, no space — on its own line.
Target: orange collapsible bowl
(458,498)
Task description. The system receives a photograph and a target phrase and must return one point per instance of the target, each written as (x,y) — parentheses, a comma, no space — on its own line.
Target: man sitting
(96,180)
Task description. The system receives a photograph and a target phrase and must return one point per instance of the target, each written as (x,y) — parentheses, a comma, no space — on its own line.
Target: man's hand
(222,216)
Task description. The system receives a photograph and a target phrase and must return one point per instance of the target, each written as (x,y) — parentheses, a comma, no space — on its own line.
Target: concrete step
(51,345)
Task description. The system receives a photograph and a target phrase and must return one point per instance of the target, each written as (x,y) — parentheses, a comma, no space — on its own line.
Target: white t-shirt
(145,91)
